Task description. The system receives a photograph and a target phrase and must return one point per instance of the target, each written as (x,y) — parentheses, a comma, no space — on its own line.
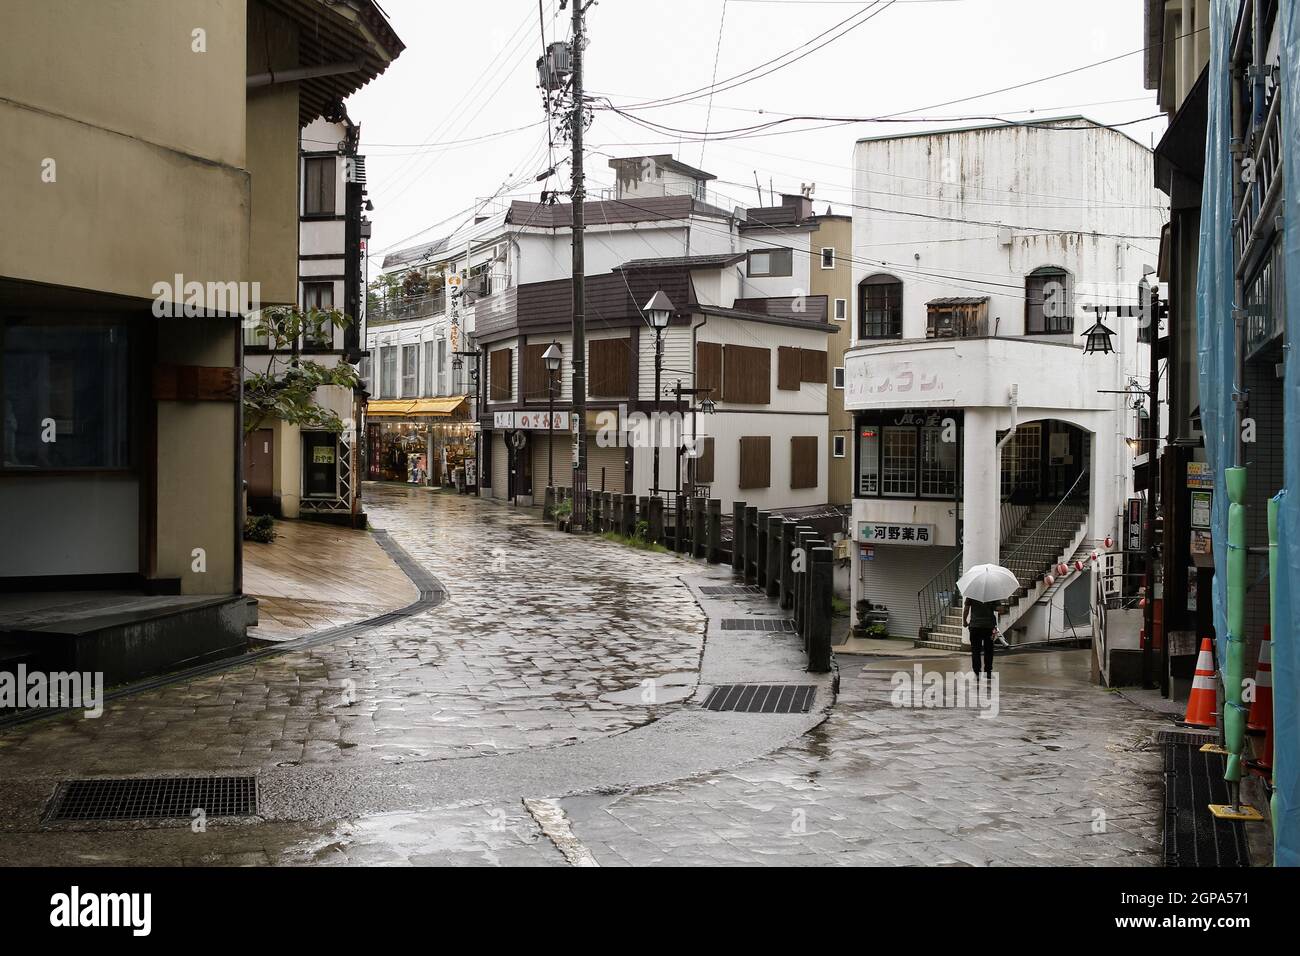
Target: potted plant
(563,513)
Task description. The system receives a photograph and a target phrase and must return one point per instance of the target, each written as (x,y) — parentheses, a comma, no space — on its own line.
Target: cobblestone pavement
(538,626)
(1063,775)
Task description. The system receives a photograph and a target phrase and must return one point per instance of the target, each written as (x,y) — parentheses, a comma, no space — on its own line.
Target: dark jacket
(983,614)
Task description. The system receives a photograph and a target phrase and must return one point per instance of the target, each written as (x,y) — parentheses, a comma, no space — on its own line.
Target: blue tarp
(1217,366)
(1286,638)
(1214,291)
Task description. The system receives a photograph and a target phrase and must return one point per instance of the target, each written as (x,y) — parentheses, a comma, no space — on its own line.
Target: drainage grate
(757,624)
(158,798)
(725,590)
(1193,835)
(761,698)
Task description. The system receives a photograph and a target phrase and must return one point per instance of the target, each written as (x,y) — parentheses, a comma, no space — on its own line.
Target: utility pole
(579,359)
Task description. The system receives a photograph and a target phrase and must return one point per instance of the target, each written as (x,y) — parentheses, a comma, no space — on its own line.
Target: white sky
(469,70)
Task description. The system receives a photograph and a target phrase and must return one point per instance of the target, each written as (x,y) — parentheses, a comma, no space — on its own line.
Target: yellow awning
(453,407)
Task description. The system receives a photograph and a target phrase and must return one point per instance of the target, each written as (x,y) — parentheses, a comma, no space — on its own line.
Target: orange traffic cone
(1200,705)
(1261,708)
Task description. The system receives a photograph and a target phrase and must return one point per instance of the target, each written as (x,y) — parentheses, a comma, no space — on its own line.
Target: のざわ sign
(891,533)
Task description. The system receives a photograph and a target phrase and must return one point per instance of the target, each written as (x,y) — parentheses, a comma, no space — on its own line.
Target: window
(500,388)
(318,333)
(410,372)
(66,396)
(838,448)
(608,364)
(880,308)
(365,370)
(898,461)
(429,377)
(828,257)
(1021,461)
(938,464)
(388,372)
(839,377)
(841,310)
(868,460)
(440,370)
(771,262)
(1048,309)
(318,186)
(747,375)
(702,465)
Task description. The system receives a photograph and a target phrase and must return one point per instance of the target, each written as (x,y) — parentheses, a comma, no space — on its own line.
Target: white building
(984,433)
(742,325)
(294,471)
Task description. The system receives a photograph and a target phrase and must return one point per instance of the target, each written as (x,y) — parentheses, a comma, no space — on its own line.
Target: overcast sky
(468,72)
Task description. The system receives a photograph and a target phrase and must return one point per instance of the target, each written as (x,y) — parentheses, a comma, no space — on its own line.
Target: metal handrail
(935,598)
(1030,552)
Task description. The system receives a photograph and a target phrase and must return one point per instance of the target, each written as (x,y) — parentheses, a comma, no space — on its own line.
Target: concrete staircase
(1045,536)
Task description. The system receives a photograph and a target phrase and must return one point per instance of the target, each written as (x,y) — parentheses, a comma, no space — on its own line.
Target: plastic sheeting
(1286,635)
(1214,291)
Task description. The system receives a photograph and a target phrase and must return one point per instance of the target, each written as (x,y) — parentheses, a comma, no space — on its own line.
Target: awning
(455,406)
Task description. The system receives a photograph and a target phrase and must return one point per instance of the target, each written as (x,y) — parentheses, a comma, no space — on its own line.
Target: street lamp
(658,310)
(551,358)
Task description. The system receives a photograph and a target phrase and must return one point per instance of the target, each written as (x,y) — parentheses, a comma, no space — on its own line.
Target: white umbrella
(987,582)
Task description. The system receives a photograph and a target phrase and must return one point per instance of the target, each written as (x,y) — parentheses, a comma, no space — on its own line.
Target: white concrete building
(984,433)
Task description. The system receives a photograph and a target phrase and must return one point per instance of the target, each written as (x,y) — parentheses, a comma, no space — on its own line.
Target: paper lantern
(1062,569)
(1110,542)
(1078,565)
(1049,580)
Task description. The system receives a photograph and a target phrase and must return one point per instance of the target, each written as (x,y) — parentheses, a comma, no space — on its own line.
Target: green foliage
(414,284)
(839,606)
(877,631)
(564,509)
(641,544)
(288,393)
(259,528)
(641,531)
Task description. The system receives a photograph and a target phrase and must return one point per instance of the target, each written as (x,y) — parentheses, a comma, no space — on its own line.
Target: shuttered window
(499,375)
(532,371)
(789,368)
(803,461)
(813,366)
(747,375)
(708,368)
(756,461)
(702,466)
(608,361)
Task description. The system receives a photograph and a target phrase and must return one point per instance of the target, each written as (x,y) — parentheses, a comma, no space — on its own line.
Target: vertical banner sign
(1134,542)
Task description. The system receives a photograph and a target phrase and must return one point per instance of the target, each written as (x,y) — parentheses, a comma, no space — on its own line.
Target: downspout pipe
(1014,399)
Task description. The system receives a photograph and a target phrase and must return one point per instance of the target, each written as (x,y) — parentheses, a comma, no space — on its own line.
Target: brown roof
(609,211)
(805,308)
(715,261)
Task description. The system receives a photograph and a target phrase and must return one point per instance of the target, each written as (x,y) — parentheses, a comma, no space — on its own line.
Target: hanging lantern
(1098,339)
(1062,569)
(1049,580)
(1092,556)
(1109,542)
(1078,565)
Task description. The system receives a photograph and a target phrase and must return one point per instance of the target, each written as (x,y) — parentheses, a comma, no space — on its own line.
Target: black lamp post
(706,407)
(658,310)
(551,358)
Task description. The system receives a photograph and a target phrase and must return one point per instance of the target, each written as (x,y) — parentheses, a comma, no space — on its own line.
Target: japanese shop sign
(909,534)
(530,421)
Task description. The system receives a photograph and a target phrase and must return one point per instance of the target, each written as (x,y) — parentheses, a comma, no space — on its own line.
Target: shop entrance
(259,462)
(521,469)
(320,469)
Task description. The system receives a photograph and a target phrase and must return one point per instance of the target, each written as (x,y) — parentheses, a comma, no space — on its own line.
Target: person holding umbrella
(982,587)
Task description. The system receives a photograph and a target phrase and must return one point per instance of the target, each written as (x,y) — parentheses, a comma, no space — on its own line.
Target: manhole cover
(731,590)
(761,698)
(157,798)
(1193,835)
(757,624)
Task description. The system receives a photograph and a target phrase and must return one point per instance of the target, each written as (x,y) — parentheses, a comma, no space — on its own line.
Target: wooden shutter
(703,465)
(813,366)
(747,375)
(803,461)
(532,371)
(789,368)
(756,461)
(708,368)
(499,375)
(608,366)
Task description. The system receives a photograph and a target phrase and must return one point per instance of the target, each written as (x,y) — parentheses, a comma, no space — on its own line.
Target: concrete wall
(836,283)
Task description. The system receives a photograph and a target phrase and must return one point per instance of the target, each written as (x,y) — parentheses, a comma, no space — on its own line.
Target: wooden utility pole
(579,359)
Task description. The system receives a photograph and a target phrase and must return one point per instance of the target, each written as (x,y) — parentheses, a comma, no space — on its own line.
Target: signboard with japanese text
(894,533)
(1134,539)
(529,421)
(1199,475)
(1202,501)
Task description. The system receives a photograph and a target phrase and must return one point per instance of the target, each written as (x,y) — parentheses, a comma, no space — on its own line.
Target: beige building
(831,275)
(152,185)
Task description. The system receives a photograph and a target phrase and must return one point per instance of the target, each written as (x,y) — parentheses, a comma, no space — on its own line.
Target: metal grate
(726,590)
(1193,835)
(757,624)
(155,798)
(761,698)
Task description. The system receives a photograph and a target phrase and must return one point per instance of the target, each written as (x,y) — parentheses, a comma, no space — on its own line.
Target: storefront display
(407,442)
